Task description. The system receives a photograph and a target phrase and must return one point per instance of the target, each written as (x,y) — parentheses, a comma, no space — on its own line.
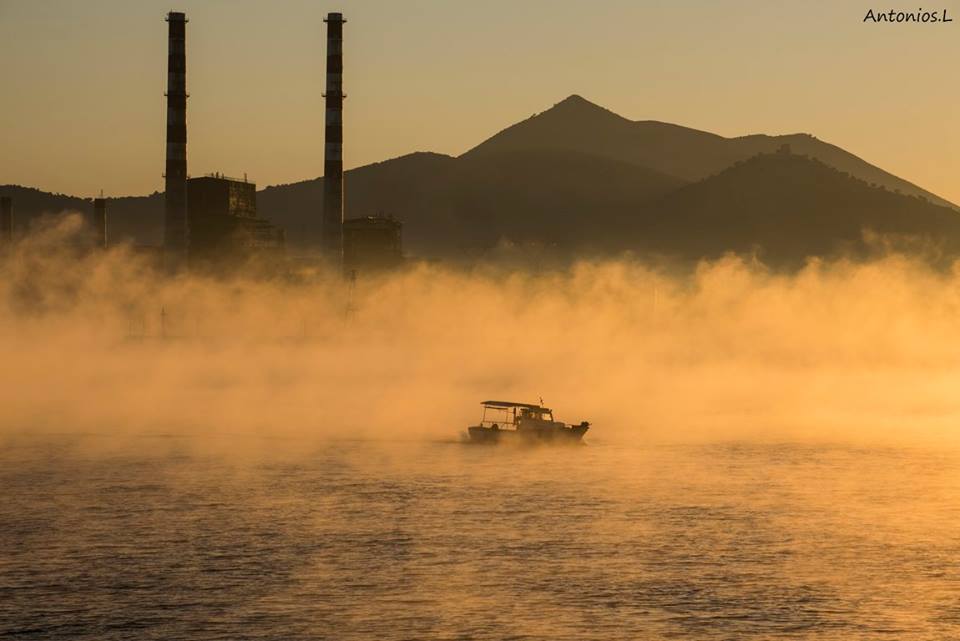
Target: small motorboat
(506,420)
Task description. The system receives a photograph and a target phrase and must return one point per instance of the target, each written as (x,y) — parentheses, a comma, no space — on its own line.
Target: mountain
(789,207)
(136,218)
(579,179)
(448,205)
(578,124)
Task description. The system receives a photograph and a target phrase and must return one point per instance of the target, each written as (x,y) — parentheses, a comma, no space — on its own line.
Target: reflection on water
(444,541)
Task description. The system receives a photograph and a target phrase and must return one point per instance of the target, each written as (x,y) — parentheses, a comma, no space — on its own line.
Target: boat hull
(560,435)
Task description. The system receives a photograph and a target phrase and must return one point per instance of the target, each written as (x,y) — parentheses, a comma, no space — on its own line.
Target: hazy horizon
(87,108)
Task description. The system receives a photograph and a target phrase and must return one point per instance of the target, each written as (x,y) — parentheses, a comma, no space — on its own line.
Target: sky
(83,82)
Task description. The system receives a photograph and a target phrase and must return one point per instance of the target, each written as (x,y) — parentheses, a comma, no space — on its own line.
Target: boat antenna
(541,401)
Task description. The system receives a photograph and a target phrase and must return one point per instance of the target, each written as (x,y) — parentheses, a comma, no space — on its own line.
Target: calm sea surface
(162,539)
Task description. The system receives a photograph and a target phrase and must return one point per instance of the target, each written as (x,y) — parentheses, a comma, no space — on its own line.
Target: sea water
(163,537)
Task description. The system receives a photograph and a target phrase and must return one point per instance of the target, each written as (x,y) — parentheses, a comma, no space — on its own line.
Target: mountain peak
(557,127)
(576,105)
(576,99)
(576,124)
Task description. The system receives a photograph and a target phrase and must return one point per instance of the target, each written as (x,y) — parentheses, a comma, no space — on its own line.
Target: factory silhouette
(211,222)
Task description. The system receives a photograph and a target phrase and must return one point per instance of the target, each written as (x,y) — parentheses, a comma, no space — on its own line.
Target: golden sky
(83,82)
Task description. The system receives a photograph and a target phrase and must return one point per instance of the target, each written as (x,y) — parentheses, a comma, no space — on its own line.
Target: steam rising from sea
(837,351)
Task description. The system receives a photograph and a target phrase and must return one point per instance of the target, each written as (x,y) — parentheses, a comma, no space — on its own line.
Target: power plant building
(223,225)
(371,243)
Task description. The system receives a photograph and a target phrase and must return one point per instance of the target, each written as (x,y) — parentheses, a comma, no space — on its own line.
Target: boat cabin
(498,414)
(526,421)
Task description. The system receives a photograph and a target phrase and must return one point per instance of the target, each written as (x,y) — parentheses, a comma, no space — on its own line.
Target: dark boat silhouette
(523,422)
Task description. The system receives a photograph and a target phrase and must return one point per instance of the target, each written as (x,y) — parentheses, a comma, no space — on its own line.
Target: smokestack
(331,233)
(175,215)
(100,222)
(6,220)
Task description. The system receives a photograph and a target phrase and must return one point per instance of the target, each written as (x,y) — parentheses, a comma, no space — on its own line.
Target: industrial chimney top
(334,17)
(176,16)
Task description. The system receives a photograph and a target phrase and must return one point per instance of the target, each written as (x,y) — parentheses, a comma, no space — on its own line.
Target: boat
(523,422)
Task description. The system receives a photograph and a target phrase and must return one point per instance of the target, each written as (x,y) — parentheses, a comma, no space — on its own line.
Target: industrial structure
(371,244)
(213,221)
(175,239)
(331,232)
(359,245)
(6,220)
(100,223)
(223,228)
(210,221)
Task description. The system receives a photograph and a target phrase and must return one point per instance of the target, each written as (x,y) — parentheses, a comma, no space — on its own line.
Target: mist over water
(771,454)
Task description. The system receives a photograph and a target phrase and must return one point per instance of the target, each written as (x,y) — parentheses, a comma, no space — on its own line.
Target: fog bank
(98,343)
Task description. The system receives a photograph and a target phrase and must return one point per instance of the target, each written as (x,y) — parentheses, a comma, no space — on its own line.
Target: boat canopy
(510,404)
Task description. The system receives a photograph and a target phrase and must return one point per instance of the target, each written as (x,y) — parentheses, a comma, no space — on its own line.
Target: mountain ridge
(677,150)
(792,207)
(580,178)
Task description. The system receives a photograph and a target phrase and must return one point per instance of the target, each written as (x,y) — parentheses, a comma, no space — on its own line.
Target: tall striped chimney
(175,213)
(100,223)
(331,232)
(6,220)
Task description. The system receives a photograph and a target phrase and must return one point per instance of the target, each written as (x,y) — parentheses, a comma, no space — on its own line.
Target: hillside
(788,207)
(134,218)
(578,124)
(449,204)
